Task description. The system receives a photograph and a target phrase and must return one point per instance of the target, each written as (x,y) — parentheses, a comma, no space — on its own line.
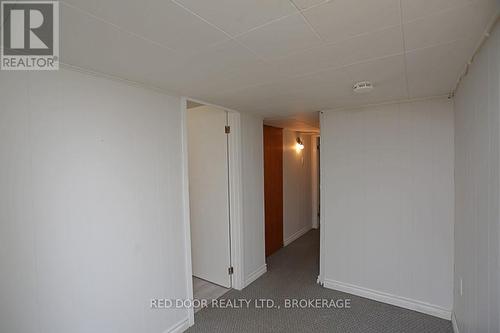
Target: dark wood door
(273,188)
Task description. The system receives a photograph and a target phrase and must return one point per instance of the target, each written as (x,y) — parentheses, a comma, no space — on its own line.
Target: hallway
(292,274)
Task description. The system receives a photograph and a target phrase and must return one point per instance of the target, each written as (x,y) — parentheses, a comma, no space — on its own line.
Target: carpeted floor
(292,273)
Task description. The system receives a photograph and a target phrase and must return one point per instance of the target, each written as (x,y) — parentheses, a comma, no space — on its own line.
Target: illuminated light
(299,146)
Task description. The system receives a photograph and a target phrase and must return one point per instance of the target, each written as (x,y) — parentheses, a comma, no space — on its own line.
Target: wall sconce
(299,145)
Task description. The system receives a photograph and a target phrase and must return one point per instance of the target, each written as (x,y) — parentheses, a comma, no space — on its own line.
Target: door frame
(235,198)
(316,184)
(322,189)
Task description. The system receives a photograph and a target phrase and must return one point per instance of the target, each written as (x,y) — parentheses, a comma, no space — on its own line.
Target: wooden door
(273,188)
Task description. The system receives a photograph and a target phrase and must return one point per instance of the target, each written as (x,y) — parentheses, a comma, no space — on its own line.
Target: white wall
(90,205)
(477,260)
(252,156)
(388,203)
(296,186)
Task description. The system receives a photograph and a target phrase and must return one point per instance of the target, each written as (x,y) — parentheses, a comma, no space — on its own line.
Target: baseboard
(383,297)
(315,224)
(296,235)
(454,323)
(180,327)
(319,280)
(255,275)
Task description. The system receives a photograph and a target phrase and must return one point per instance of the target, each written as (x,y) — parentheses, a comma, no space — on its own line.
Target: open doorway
(213,197)
(291,179)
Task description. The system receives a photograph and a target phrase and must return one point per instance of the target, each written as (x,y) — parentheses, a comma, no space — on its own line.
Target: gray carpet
(292,273)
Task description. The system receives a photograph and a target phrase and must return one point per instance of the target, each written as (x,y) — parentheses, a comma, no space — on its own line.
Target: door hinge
(230,270)
(227,129)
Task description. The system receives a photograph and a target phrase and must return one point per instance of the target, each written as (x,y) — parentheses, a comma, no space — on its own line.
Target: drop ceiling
(278,57)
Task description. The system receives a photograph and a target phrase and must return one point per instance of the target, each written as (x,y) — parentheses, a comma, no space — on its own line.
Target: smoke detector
(363,87)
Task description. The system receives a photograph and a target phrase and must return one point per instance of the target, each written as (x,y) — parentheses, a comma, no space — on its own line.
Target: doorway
(209,194)
(212,200)
(291,180)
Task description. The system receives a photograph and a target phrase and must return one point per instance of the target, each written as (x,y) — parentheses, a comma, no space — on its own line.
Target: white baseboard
(296,235)
(255,275)
(319,280)
(454,323)
(383,297)
(180,327)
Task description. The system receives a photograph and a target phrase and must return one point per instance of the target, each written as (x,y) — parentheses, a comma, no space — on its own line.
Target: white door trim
(316,181)
(185,200)
(322,224)
(235,199)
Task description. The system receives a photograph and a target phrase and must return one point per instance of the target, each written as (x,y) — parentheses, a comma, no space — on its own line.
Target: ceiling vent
(363,87)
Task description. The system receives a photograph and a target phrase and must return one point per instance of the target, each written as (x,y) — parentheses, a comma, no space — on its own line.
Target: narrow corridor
(292,274)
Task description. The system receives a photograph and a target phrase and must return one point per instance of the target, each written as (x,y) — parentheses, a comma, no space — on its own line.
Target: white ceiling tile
(223,56)
(247,98)
(225,66)
(384,73)
(304,4)
(413,9)
(162,44)
(373,45)
(281,37)
(341,19)
(250,75)
(238,16)
(173,26)
(89,43)
(128,15)
(333,89)
(434,71)
(160,21)
(460,23)
(387,76)
(328,89)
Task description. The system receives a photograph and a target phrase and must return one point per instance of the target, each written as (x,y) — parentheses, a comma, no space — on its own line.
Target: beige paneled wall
(296,186)
(91,210)
(387,179)
(477,265)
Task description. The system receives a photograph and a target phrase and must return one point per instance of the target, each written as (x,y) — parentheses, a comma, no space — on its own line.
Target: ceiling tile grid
(278,56)
(340,19)
(239,16)
(281,37)
(305,4)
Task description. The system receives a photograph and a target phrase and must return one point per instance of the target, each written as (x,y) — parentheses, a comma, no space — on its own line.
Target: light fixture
(299,145)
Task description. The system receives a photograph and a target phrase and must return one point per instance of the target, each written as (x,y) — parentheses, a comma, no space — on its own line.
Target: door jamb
(322,189)
(186,217)
(235,198)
